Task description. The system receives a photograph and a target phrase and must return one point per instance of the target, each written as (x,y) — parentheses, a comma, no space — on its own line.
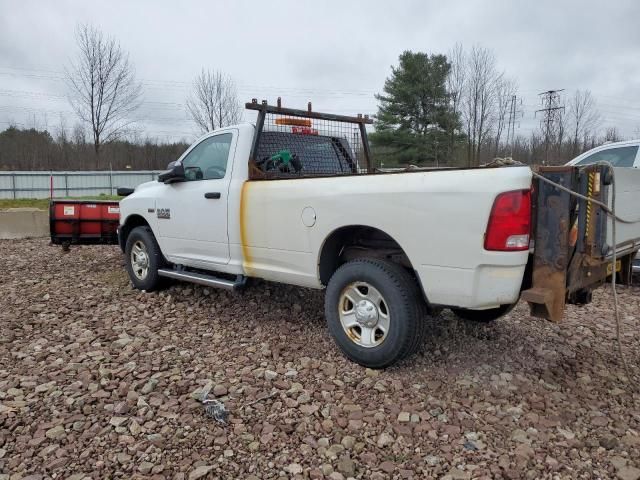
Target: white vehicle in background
(618,154)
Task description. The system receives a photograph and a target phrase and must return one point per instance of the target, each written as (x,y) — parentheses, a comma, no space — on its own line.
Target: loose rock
(103,381)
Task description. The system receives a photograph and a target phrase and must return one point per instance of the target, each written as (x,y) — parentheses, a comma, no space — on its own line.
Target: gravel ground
(98,380)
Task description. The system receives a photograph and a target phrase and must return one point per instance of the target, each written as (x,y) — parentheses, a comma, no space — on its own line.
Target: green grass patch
(43,203)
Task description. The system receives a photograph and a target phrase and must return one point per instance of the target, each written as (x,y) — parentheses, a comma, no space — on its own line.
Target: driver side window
(208,160)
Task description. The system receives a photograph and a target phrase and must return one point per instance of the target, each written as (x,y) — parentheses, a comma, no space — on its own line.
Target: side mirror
(174,173)
(124,191)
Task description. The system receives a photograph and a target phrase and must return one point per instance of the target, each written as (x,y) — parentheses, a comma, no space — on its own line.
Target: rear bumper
(485,286)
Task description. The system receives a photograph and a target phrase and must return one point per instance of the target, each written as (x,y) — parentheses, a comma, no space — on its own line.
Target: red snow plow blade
(83,222)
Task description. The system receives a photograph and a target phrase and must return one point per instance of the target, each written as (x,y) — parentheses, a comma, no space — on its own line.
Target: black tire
(423,325)
(144,236)
(400,299)
(483,316)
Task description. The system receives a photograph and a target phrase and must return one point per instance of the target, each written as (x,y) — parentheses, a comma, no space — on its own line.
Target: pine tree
(416,123)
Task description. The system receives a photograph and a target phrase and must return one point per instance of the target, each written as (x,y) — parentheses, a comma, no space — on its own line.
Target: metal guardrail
(25,184)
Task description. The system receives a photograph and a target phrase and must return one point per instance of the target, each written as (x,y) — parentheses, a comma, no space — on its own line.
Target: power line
(511,126)
(612,112)
(157,83)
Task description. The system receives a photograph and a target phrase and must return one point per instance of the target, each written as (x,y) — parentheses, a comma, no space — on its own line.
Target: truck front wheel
(143,259)
(483,316)
(374,312)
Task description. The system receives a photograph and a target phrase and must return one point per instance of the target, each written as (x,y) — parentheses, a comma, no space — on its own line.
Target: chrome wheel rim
(139,260)
(364,314)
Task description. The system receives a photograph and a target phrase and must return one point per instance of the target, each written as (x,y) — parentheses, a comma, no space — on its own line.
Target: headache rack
(291,143)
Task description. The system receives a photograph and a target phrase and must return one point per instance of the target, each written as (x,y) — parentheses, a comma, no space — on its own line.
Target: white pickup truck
(295,199)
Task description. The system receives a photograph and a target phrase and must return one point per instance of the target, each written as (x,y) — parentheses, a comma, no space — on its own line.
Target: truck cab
(195,219)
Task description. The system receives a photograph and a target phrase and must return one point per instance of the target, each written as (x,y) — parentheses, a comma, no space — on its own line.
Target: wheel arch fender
(132,221)
(331,248)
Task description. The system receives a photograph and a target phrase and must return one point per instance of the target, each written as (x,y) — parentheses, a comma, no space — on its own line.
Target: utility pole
(514,113)
(551,118)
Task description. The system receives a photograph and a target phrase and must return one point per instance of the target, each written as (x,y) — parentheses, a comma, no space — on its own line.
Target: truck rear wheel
(374,312)
(143,259)
(483,316)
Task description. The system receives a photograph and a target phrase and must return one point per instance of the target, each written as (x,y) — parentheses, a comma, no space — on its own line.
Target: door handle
(214,195)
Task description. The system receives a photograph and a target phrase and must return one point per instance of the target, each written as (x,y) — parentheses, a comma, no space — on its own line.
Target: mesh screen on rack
(292,146)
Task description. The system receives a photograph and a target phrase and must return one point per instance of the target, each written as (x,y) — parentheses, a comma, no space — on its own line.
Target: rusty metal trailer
(573,237)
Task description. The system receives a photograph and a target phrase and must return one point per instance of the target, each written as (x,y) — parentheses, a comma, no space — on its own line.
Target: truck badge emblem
(164,213)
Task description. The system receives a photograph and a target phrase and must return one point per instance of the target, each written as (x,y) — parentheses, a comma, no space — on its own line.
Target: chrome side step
(203,279)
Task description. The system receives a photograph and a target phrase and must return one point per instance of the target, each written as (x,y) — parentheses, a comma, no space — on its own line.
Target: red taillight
(510,222)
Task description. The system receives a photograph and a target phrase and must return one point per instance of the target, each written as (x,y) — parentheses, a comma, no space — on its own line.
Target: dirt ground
(98,380)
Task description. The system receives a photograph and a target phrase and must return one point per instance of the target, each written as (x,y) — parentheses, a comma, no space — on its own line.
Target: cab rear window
(295,154)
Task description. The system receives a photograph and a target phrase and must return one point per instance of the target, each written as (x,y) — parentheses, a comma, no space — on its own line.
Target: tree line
(454,109)
(104,94)
(32,149)
(459,109)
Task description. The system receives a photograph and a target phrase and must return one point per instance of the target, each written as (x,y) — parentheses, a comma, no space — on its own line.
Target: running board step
(203,279)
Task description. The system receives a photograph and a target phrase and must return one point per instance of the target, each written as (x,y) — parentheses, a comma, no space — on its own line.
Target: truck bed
(438,217)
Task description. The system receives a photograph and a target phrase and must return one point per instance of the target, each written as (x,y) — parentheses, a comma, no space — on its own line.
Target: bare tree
(582,117)
(479,101)
(612,135)
(457,76)
(103,89)
(456,83)
(78,134)
(62,140)
(62,134)
(506,88)
(214,101)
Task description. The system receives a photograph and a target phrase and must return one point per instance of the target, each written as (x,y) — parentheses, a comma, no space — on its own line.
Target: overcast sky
(335,53)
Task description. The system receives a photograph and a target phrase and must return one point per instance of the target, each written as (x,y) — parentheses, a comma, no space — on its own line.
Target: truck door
(192,215)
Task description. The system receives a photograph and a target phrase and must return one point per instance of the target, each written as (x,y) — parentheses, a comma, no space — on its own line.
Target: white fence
(70,184)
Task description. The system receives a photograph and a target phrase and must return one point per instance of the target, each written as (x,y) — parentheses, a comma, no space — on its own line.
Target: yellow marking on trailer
(610,268)
(588,212)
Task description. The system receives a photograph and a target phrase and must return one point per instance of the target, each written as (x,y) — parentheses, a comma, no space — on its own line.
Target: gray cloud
(334,53)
